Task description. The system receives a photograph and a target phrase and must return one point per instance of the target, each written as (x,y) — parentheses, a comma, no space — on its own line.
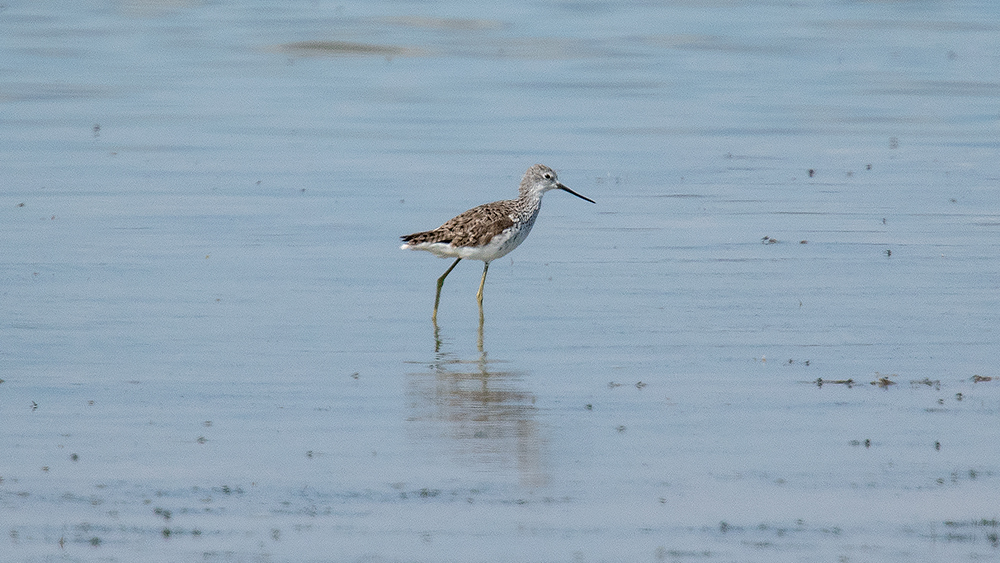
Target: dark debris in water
(460,24)
(820,382)
(345,48)
(421,493)
(163,513)
(991,525)
(883,381)
(615,385)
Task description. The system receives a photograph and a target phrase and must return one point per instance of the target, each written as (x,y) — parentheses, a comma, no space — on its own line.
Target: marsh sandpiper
(489,231)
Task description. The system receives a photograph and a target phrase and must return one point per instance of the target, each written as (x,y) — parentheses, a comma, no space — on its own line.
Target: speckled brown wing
(427,236)
(475,227)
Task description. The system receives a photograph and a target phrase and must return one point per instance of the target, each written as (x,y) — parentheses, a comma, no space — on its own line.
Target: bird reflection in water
(480,413)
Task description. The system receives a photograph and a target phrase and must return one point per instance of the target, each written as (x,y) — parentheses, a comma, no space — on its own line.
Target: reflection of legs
(479,296)
(437,296)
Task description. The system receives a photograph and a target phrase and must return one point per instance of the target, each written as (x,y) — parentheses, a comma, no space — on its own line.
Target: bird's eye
(548,176)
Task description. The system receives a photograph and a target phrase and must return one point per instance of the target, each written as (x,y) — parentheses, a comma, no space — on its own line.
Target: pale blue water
(212,348)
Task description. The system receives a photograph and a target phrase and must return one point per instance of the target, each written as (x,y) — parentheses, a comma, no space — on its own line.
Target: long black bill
(565,189)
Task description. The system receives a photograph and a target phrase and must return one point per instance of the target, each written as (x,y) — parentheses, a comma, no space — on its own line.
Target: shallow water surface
(772,339)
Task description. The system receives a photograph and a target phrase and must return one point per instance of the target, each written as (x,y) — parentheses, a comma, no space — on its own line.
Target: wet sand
(772,339)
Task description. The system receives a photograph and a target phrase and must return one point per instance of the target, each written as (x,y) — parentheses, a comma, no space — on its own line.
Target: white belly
(500,245)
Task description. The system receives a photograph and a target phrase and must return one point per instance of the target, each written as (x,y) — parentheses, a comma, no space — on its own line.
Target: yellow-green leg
(437,296)
(479,296)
